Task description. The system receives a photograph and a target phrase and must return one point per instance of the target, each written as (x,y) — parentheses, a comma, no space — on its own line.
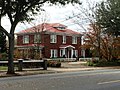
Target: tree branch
(3,30)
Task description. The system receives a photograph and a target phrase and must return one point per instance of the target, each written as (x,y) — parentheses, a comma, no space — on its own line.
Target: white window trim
(74,40)
(25,41)
(53,38)
(64,39)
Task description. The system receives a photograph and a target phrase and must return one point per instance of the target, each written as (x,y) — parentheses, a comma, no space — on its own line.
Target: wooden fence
(20,63)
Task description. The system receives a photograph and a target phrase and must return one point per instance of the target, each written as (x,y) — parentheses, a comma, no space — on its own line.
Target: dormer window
(60,27)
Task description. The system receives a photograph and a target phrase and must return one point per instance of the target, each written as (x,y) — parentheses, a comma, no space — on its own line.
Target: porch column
(83,53)
(40,52)
(71,53)
(27,52)
(64,52)
(68,53)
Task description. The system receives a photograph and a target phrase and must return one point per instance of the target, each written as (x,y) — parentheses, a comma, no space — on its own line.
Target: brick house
(53,40)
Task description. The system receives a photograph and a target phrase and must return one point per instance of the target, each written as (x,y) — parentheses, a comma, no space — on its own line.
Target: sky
(54,14)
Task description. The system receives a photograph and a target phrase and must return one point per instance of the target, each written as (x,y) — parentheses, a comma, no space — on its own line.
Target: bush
(4,56)
(103,63)
(89,63)
(54,64)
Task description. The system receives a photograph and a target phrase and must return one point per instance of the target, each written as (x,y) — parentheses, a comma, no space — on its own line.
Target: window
(61,28)
(62,52)
(26,39)
(53,39)
(64,39)
(74,40)
(37,38)
(53,53)
(75,53)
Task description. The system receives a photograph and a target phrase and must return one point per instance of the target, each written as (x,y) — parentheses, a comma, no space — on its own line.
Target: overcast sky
(54,14)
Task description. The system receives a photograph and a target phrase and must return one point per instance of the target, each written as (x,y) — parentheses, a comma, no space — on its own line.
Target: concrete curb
(39,71)
(36,71)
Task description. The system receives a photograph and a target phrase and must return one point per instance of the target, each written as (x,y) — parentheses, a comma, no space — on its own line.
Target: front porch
(68,51)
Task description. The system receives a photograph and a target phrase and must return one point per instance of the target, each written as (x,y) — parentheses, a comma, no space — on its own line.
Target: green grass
(3,68)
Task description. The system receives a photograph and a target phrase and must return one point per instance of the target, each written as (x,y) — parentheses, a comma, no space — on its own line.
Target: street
(108,79)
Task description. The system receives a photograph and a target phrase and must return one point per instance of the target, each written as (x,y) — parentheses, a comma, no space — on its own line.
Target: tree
(19,11)
(38,26)
(3,47)
(85,18)
(100,43)
(108,16)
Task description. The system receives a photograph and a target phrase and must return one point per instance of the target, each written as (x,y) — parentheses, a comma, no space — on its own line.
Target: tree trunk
(11,55)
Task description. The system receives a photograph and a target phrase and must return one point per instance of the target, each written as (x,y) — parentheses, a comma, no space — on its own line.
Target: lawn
(3,68)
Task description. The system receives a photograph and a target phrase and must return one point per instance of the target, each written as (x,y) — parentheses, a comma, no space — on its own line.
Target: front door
(69,54)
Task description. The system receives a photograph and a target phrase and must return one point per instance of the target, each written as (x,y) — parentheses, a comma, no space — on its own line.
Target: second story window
(74,40)
(25,39)
(64,40)
(37,38)
(53,39)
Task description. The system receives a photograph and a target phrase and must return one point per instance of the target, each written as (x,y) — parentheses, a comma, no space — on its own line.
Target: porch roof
(66,46)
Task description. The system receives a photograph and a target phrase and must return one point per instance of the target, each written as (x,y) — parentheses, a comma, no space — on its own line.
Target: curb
(51,71)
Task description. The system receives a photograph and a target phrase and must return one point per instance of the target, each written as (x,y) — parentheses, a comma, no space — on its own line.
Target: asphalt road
(82,80)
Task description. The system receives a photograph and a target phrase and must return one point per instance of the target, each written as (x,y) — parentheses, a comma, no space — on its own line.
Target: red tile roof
(50,27)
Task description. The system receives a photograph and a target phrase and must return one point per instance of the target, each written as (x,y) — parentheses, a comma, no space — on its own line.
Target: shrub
(4,56)
(103,63)
(54,64)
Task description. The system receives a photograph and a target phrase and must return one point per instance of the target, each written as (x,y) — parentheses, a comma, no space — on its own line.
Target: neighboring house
(53,40)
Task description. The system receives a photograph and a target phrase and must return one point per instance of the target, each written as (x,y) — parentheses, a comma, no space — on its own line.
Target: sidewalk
(66,67)
(76,66)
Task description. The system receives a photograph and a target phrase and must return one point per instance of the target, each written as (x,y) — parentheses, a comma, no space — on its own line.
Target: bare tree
(99,43)
(38,26)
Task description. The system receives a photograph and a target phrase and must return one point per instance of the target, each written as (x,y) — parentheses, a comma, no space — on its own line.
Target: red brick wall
(19,40)
(31,39)
(48,45)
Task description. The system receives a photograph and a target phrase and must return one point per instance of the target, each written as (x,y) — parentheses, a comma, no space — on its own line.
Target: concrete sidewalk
(35,71)
(65,67)
(78,66)
(72,69)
